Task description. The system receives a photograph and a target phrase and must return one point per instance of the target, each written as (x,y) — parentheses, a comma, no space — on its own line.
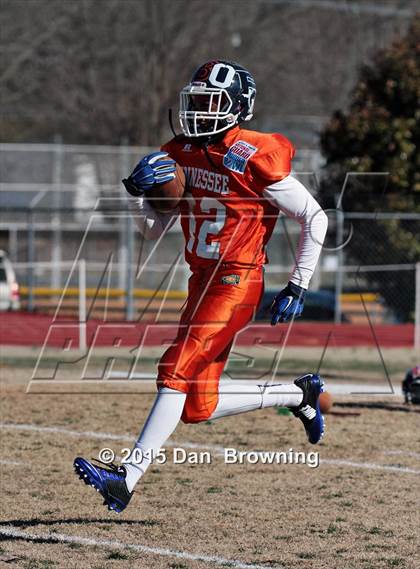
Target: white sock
(159,426)
(236,397)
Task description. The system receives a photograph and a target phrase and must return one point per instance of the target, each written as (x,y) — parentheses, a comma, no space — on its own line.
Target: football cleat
(308,411)
(108,480)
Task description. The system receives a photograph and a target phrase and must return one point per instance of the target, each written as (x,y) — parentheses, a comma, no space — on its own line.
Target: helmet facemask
(205,111)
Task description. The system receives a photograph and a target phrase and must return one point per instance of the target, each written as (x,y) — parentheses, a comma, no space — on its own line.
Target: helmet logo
(221,75)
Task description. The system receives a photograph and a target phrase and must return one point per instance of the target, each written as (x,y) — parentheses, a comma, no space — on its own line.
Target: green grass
(117,555)
(214,490)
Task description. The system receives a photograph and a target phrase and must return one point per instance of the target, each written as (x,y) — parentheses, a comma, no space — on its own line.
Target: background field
(357,510)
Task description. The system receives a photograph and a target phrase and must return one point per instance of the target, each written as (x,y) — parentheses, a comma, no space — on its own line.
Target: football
(165,197)
(325,402)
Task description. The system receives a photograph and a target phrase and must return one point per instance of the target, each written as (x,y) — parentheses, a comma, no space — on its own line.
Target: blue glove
(288,303)
(155,168)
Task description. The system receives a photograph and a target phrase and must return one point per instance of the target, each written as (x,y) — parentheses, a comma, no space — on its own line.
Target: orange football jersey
(224,216)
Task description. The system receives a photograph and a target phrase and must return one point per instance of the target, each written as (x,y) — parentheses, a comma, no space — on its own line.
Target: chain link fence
(64,203)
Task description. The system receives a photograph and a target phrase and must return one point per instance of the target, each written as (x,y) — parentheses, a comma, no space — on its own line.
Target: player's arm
(151,223)
(292,198)
(155,168)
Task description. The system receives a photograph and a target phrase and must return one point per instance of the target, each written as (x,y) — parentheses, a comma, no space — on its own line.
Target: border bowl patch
(238,155)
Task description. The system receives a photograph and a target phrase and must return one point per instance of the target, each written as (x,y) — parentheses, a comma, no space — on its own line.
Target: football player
(411,385)
(238,181)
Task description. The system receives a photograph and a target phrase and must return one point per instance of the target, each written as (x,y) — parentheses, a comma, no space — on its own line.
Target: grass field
(357,510)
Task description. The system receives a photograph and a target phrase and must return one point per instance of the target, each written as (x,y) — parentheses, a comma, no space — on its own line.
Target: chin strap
(171,124)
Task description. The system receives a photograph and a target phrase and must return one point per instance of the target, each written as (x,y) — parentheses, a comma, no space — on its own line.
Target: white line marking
(336,388)
(13,462)
(368,465)
(403,452)
(218,450)
(63,538)
(98,435)
(145,379)
(61,430)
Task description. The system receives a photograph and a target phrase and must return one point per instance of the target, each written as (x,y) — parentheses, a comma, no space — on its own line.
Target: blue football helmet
(220,95)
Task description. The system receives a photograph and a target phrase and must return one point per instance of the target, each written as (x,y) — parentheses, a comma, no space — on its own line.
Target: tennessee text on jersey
(238,155)
(201,178)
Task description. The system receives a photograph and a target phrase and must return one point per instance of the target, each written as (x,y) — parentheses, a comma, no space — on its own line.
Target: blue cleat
(108,480)
(308,411)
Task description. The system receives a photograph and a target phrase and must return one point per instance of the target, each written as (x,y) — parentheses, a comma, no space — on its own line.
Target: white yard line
(403,453)
(368,465)
(114,544)
(63,431)
(14,462)
(149,379)
(101,436)
(218,450)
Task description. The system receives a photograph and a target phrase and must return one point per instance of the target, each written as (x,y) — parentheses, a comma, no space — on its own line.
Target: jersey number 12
(204,249)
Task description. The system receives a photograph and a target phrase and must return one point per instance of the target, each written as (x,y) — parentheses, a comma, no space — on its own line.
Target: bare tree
(103,71)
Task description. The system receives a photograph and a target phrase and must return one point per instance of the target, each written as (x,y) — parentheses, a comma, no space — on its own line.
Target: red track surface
(24,329)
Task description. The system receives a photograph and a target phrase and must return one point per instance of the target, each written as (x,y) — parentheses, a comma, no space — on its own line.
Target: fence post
(340,264)
(123,255)
(56,253)
(82,305)
(130,279)
(31,260)
(417,314)
(13,244)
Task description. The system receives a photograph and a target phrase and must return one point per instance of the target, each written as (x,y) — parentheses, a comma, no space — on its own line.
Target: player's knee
(198,408)
(193,416)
